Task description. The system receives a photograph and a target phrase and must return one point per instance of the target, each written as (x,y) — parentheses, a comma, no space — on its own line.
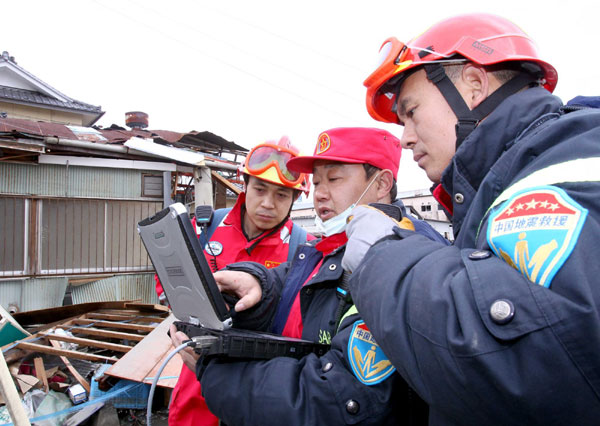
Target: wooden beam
(14,157)
(109,324)
(28,146)
(124,312)
(40,372)
(225,182)
(45,316)
(106,333)
(148,307)
(65,352)
(72,370)
(89,342)
(113,317)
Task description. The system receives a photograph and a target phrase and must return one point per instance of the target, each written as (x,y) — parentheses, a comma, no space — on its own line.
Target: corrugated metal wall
(119,287)
(33,293)
(48,180)
(61,181)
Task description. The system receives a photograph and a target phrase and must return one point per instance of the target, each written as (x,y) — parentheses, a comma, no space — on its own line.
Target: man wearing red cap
(353,382)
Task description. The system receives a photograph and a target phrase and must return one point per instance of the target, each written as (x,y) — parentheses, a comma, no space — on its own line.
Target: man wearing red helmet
(353,383)
(257,228)
(502,327)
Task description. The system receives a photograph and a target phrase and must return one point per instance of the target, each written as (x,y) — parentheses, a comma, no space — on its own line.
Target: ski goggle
(391,60)
(264,156)
(394,60)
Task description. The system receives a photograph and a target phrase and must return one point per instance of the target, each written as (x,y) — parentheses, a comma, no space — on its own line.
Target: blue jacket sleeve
(309,391)
(260,316)
(431,314)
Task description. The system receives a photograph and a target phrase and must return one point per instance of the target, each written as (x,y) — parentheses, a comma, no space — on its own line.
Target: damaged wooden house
(71,195)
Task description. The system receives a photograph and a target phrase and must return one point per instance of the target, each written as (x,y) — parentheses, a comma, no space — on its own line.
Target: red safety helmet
(267,161)
(480,38)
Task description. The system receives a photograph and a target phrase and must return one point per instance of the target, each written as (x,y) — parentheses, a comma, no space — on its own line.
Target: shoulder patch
(535,231)
(369,363)
(271,264)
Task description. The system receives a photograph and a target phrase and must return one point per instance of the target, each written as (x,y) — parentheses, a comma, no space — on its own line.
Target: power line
(222,61)
(279,36)
(263,59)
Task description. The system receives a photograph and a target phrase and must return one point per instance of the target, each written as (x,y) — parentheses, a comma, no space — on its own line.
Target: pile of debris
(74,364)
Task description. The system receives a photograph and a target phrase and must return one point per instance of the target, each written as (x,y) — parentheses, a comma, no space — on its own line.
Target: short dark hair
(371,170)
(504,71)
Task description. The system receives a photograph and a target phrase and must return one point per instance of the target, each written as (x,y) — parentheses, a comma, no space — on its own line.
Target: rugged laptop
(192,292)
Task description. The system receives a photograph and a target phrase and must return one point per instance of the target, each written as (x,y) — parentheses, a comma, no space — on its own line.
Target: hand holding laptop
(188,356)
(243,285)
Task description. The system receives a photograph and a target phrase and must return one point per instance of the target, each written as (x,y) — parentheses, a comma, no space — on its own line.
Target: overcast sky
(251,71)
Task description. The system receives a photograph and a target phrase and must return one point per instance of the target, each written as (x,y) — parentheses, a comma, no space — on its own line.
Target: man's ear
(384,183)
(474,85)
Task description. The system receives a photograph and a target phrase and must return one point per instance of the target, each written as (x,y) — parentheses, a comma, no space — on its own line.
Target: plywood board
(142,362)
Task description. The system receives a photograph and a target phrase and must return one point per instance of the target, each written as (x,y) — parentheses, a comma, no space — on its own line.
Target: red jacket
(294,325)
(229,245)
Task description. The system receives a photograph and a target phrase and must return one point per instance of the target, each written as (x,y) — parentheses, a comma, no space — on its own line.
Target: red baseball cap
(356,145)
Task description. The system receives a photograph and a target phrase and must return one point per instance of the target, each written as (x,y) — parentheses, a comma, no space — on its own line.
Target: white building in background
(303,214)
(423,205)
(419,204)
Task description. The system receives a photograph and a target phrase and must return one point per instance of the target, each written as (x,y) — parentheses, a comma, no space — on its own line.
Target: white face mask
(338,223)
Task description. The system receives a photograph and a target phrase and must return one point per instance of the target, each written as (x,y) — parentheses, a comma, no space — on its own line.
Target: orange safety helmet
(480,38)
(267,161)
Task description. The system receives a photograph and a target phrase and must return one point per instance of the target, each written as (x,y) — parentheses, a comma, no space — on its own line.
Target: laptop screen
(184,273)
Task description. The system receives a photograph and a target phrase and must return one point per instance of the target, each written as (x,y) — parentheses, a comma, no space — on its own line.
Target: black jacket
(504,326)
(353,383)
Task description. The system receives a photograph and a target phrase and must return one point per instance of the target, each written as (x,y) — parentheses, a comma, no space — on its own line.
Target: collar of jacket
(486,144)
(329,244)
(442,197)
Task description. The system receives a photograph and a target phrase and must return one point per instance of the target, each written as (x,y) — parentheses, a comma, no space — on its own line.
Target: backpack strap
(345,299)
(295,279)
(297,237)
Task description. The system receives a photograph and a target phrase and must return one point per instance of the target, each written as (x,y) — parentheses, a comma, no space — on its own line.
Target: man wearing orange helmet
(502,327)
(257,228)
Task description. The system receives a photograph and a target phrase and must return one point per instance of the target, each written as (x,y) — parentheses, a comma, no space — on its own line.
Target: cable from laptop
(198,342)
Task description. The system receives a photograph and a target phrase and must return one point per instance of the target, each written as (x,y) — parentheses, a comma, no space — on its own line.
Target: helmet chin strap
(469,119)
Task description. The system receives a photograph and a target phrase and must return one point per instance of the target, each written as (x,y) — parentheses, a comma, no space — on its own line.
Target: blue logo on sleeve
(535,231)
(369,363)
